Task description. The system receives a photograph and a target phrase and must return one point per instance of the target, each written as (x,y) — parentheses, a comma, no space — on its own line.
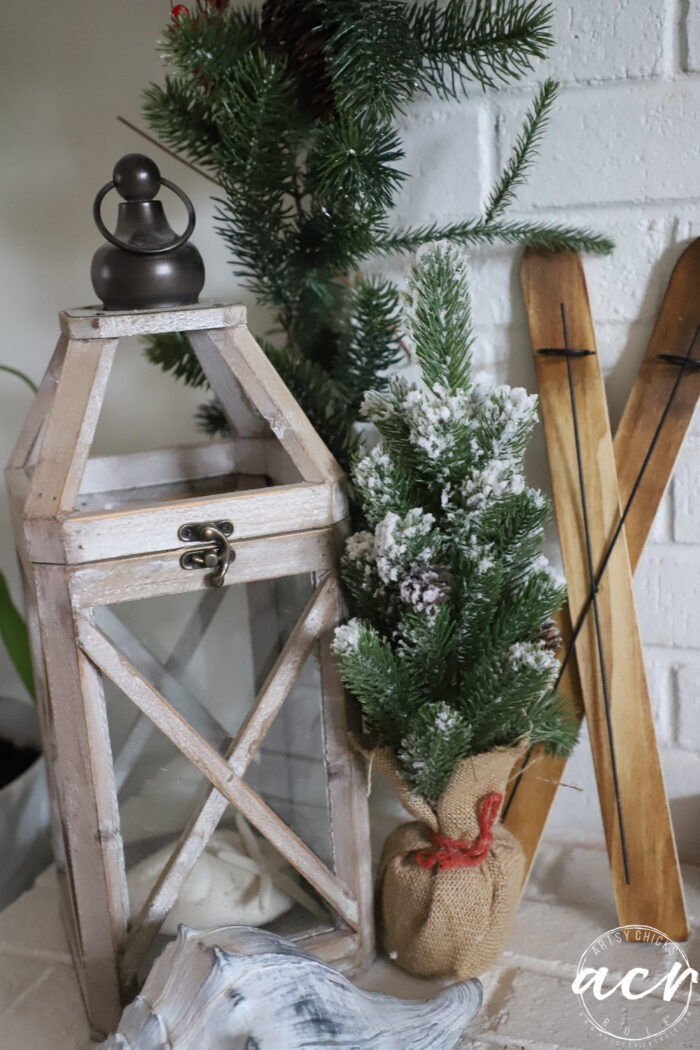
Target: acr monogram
(634,984)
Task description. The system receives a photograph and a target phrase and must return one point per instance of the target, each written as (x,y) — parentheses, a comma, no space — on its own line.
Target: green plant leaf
(20,375)
(13,632)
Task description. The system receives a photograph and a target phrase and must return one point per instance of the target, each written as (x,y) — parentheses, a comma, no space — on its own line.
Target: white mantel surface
(528,1003)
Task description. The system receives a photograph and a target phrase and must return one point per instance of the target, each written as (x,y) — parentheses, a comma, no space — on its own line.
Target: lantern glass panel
(209,653)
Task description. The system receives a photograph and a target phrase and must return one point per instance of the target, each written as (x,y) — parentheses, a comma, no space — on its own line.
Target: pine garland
(450,651)
(310,166)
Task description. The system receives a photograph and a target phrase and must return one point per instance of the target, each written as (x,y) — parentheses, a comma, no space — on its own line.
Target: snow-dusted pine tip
(494,481)
(531,655)
(403,541)
(377,406)
(509,413)
(360,548)
(346,638)
(374,476)
(543,564)
(446,718)
(432,417)
(374,462)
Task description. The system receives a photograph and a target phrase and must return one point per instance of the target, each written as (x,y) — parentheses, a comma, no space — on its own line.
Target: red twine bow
(451,853)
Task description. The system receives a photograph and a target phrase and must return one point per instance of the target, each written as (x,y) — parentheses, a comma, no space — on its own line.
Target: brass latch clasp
(217,556)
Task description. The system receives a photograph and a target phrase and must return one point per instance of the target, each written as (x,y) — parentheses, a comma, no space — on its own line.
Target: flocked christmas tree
(292,109)
(451,650)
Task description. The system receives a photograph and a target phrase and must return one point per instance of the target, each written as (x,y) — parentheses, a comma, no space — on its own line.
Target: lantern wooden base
(93,532)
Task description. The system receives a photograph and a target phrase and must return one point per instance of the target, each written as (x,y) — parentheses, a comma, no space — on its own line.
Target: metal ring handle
(223,550)
(109,236)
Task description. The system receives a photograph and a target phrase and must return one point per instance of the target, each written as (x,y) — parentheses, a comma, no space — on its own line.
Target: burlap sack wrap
(449,882)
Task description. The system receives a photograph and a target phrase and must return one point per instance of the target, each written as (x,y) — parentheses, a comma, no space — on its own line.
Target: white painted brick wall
(616,143)
(621,156)
(602,40)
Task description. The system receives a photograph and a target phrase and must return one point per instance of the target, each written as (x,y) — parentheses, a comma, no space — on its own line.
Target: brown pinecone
(291,30)
(426,588)
(549,637)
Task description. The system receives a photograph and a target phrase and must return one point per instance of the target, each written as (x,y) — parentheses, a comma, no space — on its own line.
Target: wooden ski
(673,334)
(638,831)
(528,808)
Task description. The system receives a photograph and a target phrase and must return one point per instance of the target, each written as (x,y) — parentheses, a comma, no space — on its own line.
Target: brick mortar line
(575,87)
(656,649)
(473,105)
(19,999)
(18,951)
(617,205)
(668,547)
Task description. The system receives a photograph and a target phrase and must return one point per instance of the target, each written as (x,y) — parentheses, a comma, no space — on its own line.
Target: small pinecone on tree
(426,588)
(291,30)
(549,637)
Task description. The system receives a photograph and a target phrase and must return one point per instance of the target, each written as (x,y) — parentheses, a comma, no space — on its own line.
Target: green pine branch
(183,117)
(475,232)
(305,201)
(526,145)
(555,725)
(320,397)
(373,54)
(368,344)
(205,44)
(440,320)
(382,53)
(354,158)
(480,41)
(437,738)
(173,354)
(212,420)
(374,672)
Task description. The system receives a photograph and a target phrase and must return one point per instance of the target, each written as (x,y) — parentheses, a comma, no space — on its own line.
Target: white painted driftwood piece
(238,988)
(92,533)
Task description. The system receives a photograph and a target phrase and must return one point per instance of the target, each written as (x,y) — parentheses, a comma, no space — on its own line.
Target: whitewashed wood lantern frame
(75,559)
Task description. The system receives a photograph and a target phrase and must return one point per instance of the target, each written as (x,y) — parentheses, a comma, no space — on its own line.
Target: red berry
(178,11)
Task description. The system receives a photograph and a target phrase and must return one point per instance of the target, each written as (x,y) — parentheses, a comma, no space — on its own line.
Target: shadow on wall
(684,813)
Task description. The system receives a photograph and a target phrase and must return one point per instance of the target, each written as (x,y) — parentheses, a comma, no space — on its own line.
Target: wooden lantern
(102,534)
